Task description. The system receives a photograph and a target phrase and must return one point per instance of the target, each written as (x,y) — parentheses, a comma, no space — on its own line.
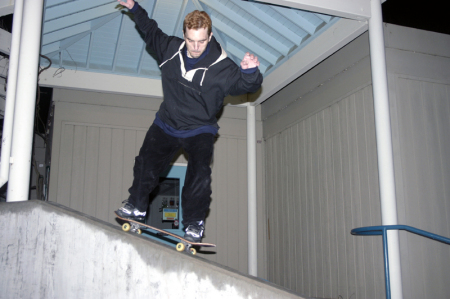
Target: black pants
(155,156)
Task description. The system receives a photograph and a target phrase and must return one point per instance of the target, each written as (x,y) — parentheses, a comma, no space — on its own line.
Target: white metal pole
(11,91)
(384,144)
(22,138)
(251,176)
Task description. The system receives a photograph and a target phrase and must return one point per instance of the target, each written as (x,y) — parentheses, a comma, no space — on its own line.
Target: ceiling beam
(180,19)
(237,52)
(166,14)
(64,9)
(351,9)
(80,17)
(248,26)
(65,33)
(245,41)
(256,12)
(325,44)
(6,7)
(297,19)
(66,39)
(100,82)
(326,18)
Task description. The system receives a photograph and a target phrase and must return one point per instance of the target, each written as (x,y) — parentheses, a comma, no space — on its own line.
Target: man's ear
(210,37)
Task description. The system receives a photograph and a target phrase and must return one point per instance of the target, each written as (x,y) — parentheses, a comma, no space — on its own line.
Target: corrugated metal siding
(321,181)
(422,173)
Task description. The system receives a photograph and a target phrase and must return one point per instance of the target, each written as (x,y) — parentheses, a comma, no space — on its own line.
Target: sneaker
(194,231)
(129,211)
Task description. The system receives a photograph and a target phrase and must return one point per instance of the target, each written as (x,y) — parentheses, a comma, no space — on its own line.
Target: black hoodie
(192,99)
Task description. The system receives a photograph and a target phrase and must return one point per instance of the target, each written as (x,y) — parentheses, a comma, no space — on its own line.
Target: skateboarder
(196,76)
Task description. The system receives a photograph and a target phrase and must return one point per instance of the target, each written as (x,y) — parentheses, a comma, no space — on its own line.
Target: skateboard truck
(133,227)
(188,247)
(183,245)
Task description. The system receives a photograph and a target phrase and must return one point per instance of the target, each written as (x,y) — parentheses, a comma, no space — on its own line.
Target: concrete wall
(49,251)
(322,176)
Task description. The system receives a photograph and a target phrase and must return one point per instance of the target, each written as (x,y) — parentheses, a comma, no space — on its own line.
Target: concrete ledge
(50,251)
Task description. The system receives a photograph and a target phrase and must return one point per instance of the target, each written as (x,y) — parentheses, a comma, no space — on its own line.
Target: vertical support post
(251,177)
(384,144)
(386,263)
(22,137)
(11,91)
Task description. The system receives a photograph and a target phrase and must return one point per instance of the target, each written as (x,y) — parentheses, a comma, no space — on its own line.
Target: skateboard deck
(135,226)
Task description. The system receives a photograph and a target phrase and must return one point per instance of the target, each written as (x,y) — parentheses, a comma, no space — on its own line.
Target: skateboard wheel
(138,231)
(192,251)
(126,227)
(180,247)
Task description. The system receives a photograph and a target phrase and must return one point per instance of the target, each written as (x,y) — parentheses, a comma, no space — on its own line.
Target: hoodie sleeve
(245,82)
(154,38)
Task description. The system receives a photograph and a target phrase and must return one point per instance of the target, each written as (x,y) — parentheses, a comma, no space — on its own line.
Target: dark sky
(427,15)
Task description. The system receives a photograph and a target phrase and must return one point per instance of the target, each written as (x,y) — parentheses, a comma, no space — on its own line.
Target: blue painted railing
(382,230)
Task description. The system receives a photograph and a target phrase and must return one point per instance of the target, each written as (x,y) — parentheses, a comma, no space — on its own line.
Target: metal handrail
(382,230)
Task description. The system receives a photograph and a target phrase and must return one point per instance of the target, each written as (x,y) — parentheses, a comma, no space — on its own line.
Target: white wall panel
(229,202)
(321,182)
(419,76)
(421,114)
(321,156)
(95,167)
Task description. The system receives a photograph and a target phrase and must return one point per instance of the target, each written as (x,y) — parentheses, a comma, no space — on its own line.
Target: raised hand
(127,3)
(249,61)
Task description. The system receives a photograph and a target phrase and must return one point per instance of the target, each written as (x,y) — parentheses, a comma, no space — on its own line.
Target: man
(196,76)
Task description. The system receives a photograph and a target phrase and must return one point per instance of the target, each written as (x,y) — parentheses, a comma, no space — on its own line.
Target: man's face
(196,41)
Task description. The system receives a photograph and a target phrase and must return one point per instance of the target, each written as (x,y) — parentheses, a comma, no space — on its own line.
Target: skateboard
(135,226)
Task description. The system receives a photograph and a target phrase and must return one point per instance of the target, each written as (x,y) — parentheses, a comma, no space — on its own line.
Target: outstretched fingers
(128,3)
(249,61)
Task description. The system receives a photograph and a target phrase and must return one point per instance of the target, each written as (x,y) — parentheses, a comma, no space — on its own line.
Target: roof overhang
(354,22)
(350,9)
(354,15)
(6,7)
(336,37)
